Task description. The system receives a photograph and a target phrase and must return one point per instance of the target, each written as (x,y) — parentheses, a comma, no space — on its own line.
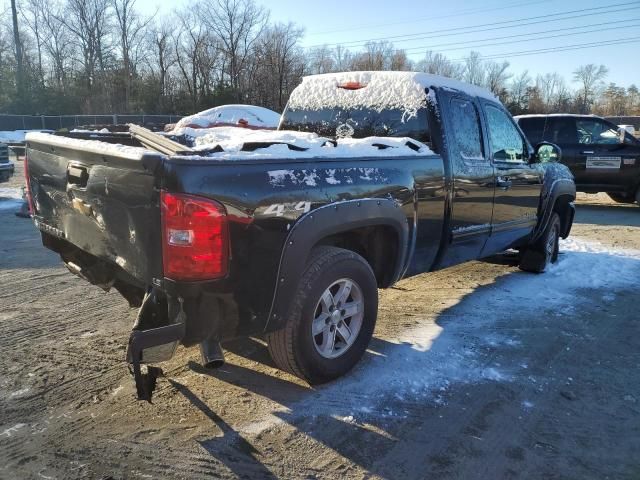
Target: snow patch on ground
(16,136)
(425,362)
(10,198)
(7,432)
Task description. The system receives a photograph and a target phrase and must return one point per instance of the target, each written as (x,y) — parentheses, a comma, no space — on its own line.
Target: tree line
(104,56)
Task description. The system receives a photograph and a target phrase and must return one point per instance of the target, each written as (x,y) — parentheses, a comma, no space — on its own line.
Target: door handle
(587,152)
(503,182)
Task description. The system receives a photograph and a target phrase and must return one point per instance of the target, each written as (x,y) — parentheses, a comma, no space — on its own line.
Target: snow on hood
(92,146)
(233,139)
(382,90)
(230,114)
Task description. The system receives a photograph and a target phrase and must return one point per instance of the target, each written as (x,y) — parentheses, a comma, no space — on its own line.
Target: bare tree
(32,12)
(322,60)
(129,28)
(278,52)
(589,76)
(496,78)
(376,56)
(237,24)
(438,64)
(88,22)
(518,92)
(473,69)
(57,43)
(163,56)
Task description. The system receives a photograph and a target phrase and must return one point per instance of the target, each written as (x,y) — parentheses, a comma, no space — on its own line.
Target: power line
(492,25)
(439,17)
(507,37)
(579,46)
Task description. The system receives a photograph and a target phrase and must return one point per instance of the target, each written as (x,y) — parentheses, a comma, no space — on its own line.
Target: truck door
(603,163)
(517,184)
(472,178)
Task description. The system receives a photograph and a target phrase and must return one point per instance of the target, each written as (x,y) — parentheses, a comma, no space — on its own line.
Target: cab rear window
(359,123)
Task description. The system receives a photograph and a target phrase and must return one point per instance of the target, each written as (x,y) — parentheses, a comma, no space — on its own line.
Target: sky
(518,31)
(509,30)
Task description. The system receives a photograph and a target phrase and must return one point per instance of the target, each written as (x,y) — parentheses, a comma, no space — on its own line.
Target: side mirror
(546,152)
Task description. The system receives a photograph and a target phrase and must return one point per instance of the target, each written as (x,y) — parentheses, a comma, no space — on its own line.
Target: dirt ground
(478,371)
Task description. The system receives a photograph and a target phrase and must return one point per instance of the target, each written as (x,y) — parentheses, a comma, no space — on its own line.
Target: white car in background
(247,116)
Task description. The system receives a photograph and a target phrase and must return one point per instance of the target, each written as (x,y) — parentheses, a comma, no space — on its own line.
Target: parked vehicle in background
(6,166)
(629,120)
(629,128)
(248,116)
(601,156)
(289,234)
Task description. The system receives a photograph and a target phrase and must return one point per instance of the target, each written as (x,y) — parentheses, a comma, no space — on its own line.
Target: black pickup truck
(602,156)
(289,240)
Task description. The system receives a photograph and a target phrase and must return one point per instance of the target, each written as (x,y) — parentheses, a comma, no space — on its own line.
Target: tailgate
(100,198)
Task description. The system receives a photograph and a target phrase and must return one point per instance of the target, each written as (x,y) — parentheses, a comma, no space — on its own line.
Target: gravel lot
(478,371)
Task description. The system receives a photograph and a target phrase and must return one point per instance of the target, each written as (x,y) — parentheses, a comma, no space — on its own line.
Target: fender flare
(329,220)
(559,188)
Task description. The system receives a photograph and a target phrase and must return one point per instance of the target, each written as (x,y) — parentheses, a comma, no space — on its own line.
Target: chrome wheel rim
(337,318)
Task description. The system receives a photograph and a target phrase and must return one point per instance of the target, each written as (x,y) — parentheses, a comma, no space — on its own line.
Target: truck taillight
(195,242)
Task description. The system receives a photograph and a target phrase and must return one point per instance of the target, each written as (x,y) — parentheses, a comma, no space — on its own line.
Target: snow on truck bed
(278,144)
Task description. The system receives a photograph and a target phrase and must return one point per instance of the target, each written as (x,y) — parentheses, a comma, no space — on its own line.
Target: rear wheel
(545,250)
(621,197)
(331,318)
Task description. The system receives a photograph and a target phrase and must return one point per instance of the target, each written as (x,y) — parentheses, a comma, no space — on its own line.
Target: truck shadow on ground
(308,411)
(391,401)
(608,214)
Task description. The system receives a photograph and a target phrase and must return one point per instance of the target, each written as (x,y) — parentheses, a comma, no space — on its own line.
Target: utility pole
(16,41)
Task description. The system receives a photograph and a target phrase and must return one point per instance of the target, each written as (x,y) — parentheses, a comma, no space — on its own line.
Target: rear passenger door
(473,179)
(517,184)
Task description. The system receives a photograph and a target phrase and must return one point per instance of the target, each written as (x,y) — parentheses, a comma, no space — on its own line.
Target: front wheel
(535,258)
(331,318)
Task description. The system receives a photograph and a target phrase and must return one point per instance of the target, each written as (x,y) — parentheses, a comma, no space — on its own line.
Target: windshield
(359,123)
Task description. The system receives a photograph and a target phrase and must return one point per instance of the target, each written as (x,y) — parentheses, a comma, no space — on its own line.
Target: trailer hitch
(151,346)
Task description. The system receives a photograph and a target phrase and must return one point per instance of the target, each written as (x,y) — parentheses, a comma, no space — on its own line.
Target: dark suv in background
(601,156)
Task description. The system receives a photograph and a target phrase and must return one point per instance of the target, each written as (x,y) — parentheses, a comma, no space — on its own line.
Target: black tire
(293,347)
(620,198)
(545,250)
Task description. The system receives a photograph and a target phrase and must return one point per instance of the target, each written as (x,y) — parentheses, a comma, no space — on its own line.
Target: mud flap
(153,345)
